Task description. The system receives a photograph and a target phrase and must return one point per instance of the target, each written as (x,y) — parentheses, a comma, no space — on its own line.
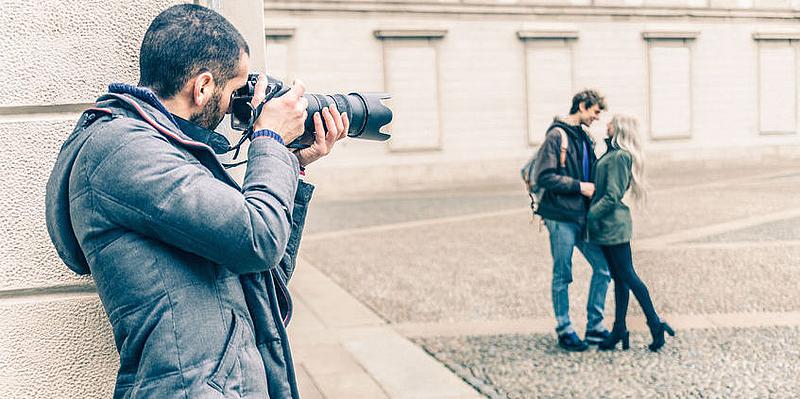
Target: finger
(318,128)
(319,134)
(330,124)
(346,124)
(260,90)
(298,89)
(337,118)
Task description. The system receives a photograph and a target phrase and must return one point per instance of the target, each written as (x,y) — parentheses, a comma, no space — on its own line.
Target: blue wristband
(268,133)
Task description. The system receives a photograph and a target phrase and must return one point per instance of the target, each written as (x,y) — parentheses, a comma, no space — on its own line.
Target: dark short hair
(186,40)
(588,98)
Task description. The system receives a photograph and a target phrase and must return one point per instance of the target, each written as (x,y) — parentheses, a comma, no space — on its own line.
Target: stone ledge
(410,33)
(670,35)
(547,34)
(279,33)
(776,36)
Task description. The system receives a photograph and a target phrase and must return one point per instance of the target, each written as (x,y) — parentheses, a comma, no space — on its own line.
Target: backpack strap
(564,145)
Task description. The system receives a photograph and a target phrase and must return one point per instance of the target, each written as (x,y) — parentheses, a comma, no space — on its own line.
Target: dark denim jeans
(564,236)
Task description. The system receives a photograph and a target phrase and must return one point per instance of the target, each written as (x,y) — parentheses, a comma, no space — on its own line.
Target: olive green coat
(609,220)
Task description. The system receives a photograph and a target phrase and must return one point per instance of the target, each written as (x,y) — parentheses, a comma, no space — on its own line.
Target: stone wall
(57,57)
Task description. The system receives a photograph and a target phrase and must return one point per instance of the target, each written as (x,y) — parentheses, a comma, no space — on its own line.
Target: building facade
(476,83)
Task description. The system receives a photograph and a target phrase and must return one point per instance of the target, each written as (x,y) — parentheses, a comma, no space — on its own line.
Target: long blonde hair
(626,137)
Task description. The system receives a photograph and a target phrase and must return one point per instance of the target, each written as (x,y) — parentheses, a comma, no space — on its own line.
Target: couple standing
(582,207)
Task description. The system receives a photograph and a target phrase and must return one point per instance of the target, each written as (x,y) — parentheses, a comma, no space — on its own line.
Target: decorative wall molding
(670,35)
(279,33)
(547,34)
(410,34)
(776,36)
(528,9)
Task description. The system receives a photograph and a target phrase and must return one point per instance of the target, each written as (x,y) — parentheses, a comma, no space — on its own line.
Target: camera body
(366,111)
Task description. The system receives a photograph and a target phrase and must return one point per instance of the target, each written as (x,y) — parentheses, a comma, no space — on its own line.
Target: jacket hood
(57,213)
(558,122)
(144,104)
(57,195)
(576,132)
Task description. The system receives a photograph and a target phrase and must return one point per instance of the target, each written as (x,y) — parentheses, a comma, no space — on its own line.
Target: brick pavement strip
(635,323)
(737,244)
(715,229)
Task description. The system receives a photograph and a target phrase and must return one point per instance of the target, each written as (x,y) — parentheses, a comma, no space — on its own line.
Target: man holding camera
(564,170)
(191,268)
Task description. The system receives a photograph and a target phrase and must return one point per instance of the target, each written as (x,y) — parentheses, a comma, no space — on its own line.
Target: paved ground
(465,275)
(723,363)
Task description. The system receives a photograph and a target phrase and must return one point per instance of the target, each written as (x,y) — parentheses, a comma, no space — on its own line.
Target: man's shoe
(596,337)
(571,342)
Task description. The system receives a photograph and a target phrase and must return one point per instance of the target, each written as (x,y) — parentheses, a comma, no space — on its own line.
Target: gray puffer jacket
(190,267)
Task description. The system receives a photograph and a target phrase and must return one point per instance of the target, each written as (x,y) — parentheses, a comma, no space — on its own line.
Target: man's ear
(203,88)
(582,106)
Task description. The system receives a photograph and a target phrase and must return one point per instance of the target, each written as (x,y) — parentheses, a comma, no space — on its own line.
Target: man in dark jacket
(190,267)
(564,170)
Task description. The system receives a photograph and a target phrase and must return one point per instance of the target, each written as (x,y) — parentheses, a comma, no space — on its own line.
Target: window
(548,78)
(777,83)
(411,75)
(669,63)
(278,52)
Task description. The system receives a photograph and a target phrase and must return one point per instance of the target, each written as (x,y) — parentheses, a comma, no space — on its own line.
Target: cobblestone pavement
(472,255)
(725,363)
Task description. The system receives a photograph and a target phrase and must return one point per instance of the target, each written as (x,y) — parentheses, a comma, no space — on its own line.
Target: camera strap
(274,89)
(247,134)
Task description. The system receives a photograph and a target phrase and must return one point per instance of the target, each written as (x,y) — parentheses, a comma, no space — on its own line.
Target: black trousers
(620,264)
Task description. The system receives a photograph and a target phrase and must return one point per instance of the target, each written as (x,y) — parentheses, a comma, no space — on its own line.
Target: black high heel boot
(610,343)
(657,331)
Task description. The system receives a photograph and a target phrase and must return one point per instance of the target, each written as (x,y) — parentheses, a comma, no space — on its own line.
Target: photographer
(191,268)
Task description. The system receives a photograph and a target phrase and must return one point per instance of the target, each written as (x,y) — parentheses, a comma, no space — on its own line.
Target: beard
(211,115)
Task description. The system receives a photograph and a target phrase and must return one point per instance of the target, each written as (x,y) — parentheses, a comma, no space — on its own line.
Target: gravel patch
(501,268)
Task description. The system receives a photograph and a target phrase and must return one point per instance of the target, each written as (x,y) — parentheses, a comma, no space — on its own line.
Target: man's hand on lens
(587,189)
(337,125)
(284,115)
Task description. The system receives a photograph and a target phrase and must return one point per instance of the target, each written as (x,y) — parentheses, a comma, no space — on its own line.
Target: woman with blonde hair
(609,224)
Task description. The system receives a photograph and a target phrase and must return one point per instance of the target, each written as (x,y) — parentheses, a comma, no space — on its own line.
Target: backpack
(530,174)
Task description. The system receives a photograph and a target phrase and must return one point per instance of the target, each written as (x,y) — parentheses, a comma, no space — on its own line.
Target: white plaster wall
(64,52)
(56,347)
(27,257)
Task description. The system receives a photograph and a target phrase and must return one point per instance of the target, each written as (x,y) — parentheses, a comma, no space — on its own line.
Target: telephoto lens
(367,112)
